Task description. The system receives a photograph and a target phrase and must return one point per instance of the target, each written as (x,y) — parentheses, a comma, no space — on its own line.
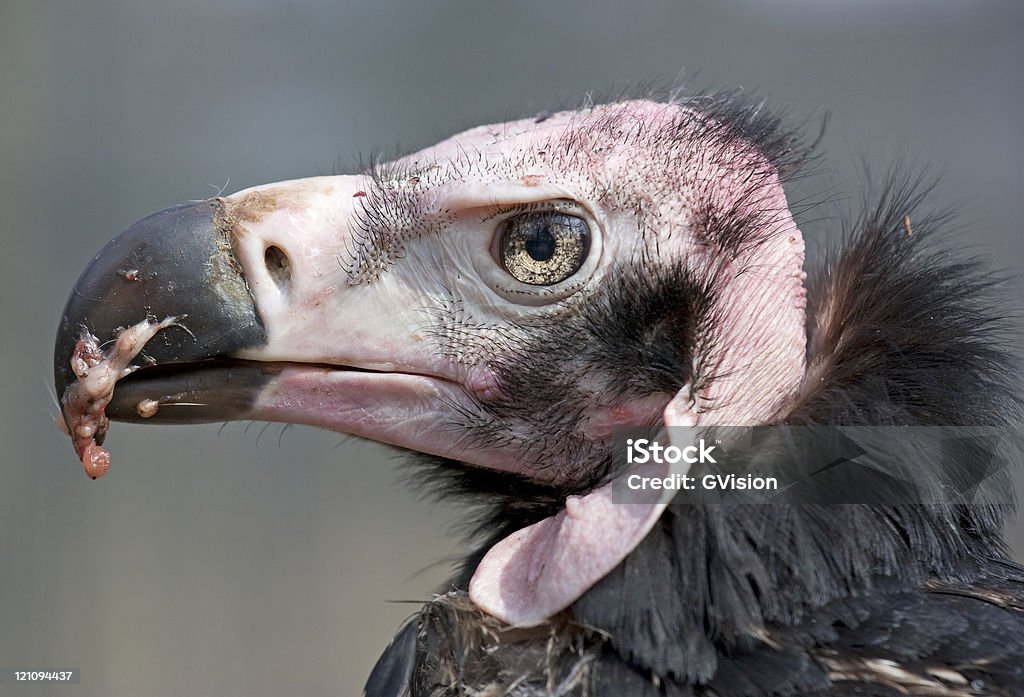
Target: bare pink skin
(538,571)
(86,399)
(323,318)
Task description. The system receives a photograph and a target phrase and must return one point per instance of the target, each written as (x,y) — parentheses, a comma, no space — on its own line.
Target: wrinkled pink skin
(84,401)
(323,318)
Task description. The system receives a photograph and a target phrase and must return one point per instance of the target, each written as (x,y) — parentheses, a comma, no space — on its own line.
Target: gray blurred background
(239,561)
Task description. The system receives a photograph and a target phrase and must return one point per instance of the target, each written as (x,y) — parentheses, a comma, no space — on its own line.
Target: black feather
(393,671)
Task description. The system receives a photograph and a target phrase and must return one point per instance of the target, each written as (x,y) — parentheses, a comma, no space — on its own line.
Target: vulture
(547,312)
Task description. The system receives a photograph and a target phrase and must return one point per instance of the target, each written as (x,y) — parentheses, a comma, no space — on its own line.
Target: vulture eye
(543,248)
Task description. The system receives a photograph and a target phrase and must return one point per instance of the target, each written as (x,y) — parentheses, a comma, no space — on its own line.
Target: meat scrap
(85,400)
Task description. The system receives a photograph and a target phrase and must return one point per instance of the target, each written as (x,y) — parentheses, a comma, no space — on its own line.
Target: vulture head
(508,302)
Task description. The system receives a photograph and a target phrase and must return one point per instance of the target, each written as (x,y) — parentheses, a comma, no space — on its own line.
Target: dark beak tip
(169,264)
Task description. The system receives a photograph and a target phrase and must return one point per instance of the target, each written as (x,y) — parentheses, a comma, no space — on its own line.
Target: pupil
(540,243)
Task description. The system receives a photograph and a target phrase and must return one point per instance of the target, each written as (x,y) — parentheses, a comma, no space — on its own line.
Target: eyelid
(556,205)
(520,296)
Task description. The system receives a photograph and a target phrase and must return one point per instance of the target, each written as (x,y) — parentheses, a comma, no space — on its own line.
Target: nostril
(278,266)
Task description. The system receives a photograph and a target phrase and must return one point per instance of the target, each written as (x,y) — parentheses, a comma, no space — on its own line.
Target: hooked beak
(178,262)
(258,319)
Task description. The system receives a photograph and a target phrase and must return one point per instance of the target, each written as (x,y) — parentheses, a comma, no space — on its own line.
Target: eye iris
(544,248)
